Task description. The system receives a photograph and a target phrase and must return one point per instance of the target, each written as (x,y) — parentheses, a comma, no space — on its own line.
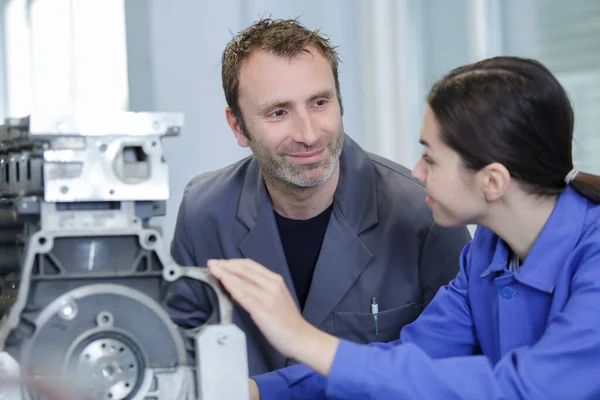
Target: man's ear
(494,180)
(235,128)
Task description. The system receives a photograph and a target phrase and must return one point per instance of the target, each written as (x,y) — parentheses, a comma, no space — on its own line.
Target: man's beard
(279,167)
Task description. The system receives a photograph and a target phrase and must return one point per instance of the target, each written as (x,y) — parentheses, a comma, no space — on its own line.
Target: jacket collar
(552,247)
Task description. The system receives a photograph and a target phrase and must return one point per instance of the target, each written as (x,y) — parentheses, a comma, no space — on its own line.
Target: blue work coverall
(490,333)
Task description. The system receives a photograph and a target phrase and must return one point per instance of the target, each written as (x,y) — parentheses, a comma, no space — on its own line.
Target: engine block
(84,273)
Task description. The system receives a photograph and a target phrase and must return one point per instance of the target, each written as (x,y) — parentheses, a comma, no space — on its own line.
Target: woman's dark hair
(513,111)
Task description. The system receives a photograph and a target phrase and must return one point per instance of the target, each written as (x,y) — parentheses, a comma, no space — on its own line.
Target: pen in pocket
(375,313)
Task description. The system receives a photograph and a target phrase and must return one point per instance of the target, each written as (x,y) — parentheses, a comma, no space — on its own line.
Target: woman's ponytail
(587,185)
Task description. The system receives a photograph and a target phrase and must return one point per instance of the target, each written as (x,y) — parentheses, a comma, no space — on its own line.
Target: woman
(522,317)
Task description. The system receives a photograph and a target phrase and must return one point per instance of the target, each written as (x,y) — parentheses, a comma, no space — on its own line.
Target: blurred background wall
(64,56)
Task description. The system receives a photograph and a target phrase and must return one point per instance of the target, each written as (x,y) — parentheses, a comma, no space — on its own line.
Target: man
(349,232)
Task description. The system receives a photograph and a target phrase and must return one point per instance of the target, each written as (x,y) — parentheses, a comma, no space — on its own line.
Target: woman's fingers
(270,286)
(244,293)
(247,269)
(242,280)
(264,295)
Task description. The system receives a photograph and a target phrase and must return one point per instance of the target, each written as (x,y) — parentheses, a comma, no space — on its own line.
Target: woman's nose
(419,171)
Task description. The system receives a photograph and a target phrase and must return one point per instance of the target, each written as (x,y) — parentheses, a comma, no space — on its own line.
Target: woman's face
(452,191)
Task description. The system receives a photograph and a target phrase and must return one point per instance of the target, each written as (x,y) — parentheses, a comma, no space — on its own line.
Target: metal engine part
(83,274)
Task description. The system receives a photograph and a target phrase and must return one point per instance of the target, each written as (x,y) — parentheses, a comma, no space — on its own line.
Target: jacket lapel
(343,258)
(262,243)
(343,255)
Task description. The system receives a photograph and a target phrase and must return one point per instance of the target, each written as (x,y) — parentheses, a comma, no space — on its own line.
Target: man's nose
(305,131)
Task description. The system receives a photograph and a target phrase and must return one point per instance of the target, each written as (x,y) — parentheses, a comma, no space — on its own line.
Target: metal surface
(92,124)
(173,272)
(95,157)
(9,377)
(218,347)
(84,273)
(113,366)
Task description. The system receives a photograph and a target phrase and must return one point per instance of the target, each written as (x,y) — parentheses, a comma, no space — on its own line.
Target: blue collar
(552,247)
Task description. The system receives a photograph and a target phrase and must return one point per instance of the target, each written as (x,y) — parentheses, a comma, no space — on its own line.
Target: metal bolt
(222,339)
(68,311)
(104,318)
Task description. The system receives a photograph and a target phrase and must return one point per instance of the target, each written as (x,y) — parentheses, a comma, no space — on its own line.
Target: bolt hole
(131,366)
(153,144)
(42,240)
(102,148)
(152,238)
(87,356)
(121,349)
(127,385)
(171,272)
(103,345)
(112,191)
(110,396)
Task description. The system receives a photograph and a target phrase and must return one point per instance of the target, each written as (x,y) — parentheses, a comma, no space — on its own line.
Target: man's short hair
(281,37)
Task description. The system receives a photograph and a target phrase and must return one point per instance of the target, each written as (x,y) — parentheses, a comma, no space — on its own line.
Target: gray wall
(174,50)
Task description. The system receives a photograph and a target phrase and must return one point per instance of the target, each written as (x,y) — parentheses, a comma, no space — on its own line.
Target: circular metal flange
(111,367)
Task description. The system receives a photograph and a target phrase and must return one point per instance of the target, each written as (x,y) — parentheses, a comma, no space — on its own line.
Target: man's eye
(320,103)
(278,113)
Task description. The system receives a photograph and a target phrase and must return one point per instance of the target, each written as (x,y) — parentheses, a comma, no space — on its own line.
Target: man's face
(292,116)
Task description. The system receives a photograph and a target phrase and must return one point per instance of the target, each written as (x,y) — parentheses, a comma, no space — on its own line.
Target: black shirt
(302,240)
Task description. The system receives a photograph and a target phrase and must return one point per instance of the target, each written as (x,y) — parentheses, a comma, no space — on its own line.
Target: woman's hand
(264,295)
(254,392)
(266,298)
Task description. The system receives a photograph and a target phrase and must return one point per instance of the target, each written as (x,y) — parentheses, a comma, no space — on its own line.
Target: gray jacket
(380,242)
